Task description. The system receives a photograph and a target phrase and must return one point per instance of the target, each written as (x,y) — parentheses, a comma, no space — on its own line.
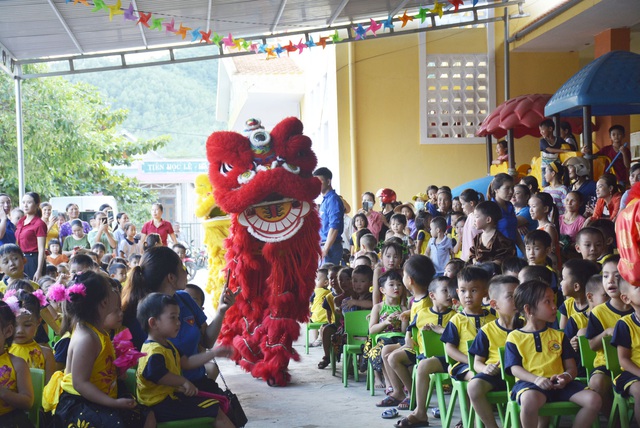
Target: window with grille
(457,97)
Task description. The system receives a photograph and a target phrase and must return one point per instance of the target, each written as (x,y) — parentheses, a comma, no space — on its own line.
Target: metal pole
(512,152)
(506,55)
(556,124)
(489,153)
(586,137)
(19,132)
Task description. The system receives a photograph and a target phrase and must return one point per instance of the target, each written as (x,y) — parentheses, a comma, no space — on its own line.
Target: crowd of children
(523,269)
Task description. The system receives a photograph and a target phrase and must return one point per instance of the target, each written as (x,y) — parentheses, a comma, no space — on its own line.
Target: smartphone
(55,213)
(104,220)
(367,205)
(110,215)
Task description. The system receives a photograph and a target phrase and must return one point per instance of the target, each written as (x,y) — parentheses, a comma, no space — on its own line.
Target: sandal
(388,402)
(459,425)
(389,413)
(405,422)
(324,363)
(404,404)
(389,390)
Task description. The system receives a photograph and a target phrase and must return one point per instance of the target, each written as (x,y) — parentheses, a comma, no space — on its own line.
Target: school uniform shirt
(578,321)
(440,252)
(464,327)
(489,340)
(318,312)
(627,334)
(27,234)
(602,317)
(30,352)
(7,380)
(424,237)
(541,353)
(569,307)
(426,315)
(159,361)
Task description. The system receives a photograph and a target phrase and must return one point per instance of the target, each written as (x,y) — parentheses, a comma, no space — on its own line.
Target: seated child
(513,265)
(542,360)
(56,257)
(362,261)
(590,244)
(368,243)
(118,271)
(537,244)
(196,294)
(490,245)
(397,225)
(12,263)
(27,323)
(134,260)
(17,395)
(440,247)
(540,273)
(321,293)
(625,339)
(386,318)
(602,321)
(577,324)
(501,152)
(491,337)
(608,229)
(453,268)
(160,384)
(575,274)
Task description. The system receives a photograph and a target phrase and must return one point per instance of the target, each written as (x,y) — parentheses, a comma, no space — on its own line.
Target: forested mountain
(178,100)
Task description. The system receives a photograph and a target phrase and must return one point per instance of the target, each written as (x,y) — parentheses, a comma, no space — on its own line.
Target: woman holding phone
(101,232)
(375,219)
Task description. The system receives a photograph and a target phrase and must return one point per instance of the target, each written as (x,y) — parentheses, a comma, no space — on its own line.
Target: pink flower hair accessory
(14,304)
(41,298)
(57,293)
(76,288)
(10,293)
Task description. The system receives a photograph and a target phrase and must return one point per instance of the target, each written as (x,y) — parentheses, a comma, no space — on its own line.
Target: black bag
(236,413)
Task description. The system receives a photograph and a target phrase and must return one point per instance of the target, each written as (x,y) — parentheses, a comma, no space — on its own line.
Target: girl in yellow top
(16,392)
(24,345)
(89,390)
(161,385)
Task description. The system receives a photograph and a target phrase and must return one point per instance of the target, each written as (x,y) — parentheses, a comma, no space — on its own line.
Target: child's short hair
(82,261)
(365,259)
(99,246)
(363,270)
(134,257)
(540,236)
(180,246)
(581,270)
(7,318)
(440,223)
(608,229)
(50,270)
(619,128)
(473,273)
(456,266)
(492,268)
(497,283)
(345,271)
(432,187)
(335,269)
(114,268)
(362,217)
(548,123)
(453,288)
(152,306)
(613,258)
(368,240)
(21,284)
(323,271)
(360,234)
(7,249)
(46,281)
(461,218)
(529,293)
(373,257)
(400,218)
(54,241)
(589,231)
(513,264)
(594,284)
(437,282)
(421,270)
(490,209)
(198,291)
(390,275)
(537,273)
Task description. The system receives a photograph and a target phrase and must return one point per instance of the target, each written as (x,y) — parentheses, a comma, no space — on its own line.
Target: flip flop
(388,402)
(389,413)
(404,404)
(405,422)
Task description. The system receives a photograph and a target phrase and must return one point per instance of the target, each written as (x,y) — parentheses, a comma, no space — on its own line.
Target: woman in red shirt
(31,233)
(158,225)
(608,203)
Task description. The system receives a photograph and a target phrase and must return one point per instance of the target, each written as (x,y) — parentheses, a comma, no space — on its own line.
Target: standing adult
(53,222)
(162,271)
(73,212)
(31,233)
(101,233)
(332,218)
(7,228)
(158,225)
(388,203)
(578,168)
(376,221)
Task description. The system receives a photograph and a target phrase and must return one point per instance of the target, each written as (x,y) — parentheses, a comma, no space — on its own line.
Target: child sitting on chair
(322,306)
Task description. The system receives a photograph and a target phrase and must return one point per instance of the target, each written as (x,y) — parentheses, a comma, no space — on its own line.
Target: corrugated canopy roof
(609,84)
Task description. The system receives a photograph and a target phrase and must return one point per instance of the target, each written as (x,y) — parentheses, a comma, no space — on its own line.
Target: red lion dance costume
(264,180)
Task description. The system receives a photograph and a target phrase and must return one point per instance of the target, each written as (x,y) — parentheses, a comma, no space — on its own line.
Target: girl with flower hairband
(15,378)
(26,307)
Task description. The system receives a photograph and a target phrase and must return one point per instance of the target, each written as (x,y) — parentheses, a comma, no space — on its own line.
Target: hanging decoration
(152,21)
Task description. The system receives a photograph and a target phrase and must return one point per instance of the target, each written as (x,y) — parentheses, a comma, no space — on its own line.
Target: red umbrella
(523,114)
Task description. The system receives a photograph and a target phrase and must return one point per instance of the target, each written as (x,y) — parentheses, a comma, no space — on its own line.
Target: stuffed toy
(264,181)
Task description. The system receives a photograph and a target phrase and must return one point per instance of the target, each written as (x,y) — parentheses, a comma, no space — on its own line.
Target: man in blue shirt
(332,218)
(7,229)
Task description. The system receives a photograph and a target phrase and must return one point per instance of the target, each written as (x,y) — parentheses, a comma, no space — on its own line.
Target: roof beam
(208,16)
(66,27)
(8,61)
(283,3)
(398,8)
(140,27)
(337,12)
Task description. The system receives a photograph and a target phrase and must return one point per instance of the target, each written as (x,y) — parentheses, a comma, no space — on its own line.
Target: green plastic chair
(311,326)
(37,381)
(622,408)
(433,347)
(189,423)
(587,355)
(371,377)
(458,395)
(512,414)
(495,397)
(131,382)
(356,327)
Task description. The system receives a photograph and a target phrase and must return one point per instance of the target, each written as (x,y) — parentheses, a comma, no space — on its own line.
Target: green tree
(71,137)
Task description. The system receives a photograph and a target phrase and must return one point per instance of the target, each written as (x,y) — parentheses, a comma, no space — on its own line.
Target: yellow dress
(7,380)
(30,352)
